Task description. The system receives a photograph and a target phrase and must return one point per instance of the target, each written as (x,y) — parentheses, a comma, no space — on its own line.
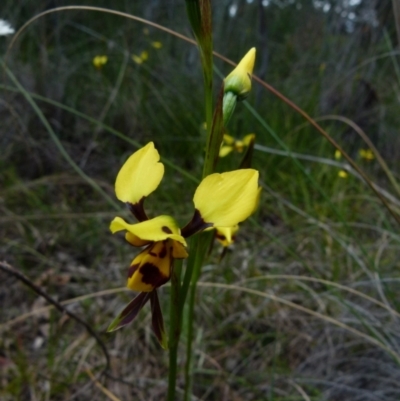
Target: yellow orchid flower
(221,200)
(157,45)
(239,80)
(152,267)
(230,144)
(343,174)
(99,61)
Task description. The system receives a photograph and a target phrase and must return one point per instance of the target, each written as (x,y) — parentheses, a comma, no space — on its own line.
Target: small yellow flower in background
(338,155)
(137,59)
(366,154)
(342,174)
(144,55)
(157,45)
(230,144)
(99,61)
(239,80)
(146,31)
(221,201)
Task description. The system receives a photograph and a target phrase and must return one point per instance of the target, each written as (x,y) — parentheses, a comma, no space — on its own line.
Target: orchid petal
(226,199)
(158,229)
(225,150)
(140,175)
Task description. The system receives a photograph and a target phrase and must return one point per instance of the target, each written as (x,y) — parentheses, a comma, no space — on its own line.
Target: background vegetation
(305,305)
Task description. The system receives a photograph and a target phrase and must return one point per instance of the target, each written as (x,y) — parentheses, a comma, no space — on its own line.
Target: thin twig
(7,268)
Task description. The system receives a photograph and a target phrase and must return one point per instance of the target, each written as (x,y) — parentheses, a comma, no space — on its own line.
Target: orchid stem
(199,13)
(174,328)
(190,319)
(203,244)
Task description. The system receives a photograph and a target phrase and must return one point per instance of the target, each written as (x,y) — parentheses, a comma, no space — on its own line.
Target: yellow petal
(248,139)
(226,235)
(342,174)
(158,229)
(151,268)
(99,61)
(178,250)
(137,59)
(135,240)
(239,80)
(367,154)
(338,154)
(229,140)
(226,199)
(144,55)
(225,150)
(140,175)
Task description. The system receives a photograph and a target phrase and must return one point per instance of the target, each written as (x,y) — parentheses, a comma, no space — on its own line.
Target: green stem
(200,17)
(174,328)
(189,340)
(208,100)
(190,265)
(203,243)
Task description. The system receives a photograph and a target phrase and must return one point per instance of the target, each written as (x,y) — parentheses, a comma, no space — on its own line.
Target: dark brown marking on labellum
(152,275)
(220,236)
(166,230)
(132,269)
(152,254)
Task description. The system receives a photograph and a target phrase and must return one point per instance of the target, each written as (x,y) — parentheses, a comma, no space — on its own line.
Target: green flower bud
(239,80)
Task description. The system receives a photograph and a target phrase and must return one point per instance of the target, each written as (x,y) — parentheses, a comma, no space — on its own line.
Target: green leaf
(194,14)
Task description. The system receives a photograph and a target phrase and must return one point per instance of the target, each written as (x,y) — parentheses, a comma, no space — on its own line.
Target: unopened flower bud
(239,80)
